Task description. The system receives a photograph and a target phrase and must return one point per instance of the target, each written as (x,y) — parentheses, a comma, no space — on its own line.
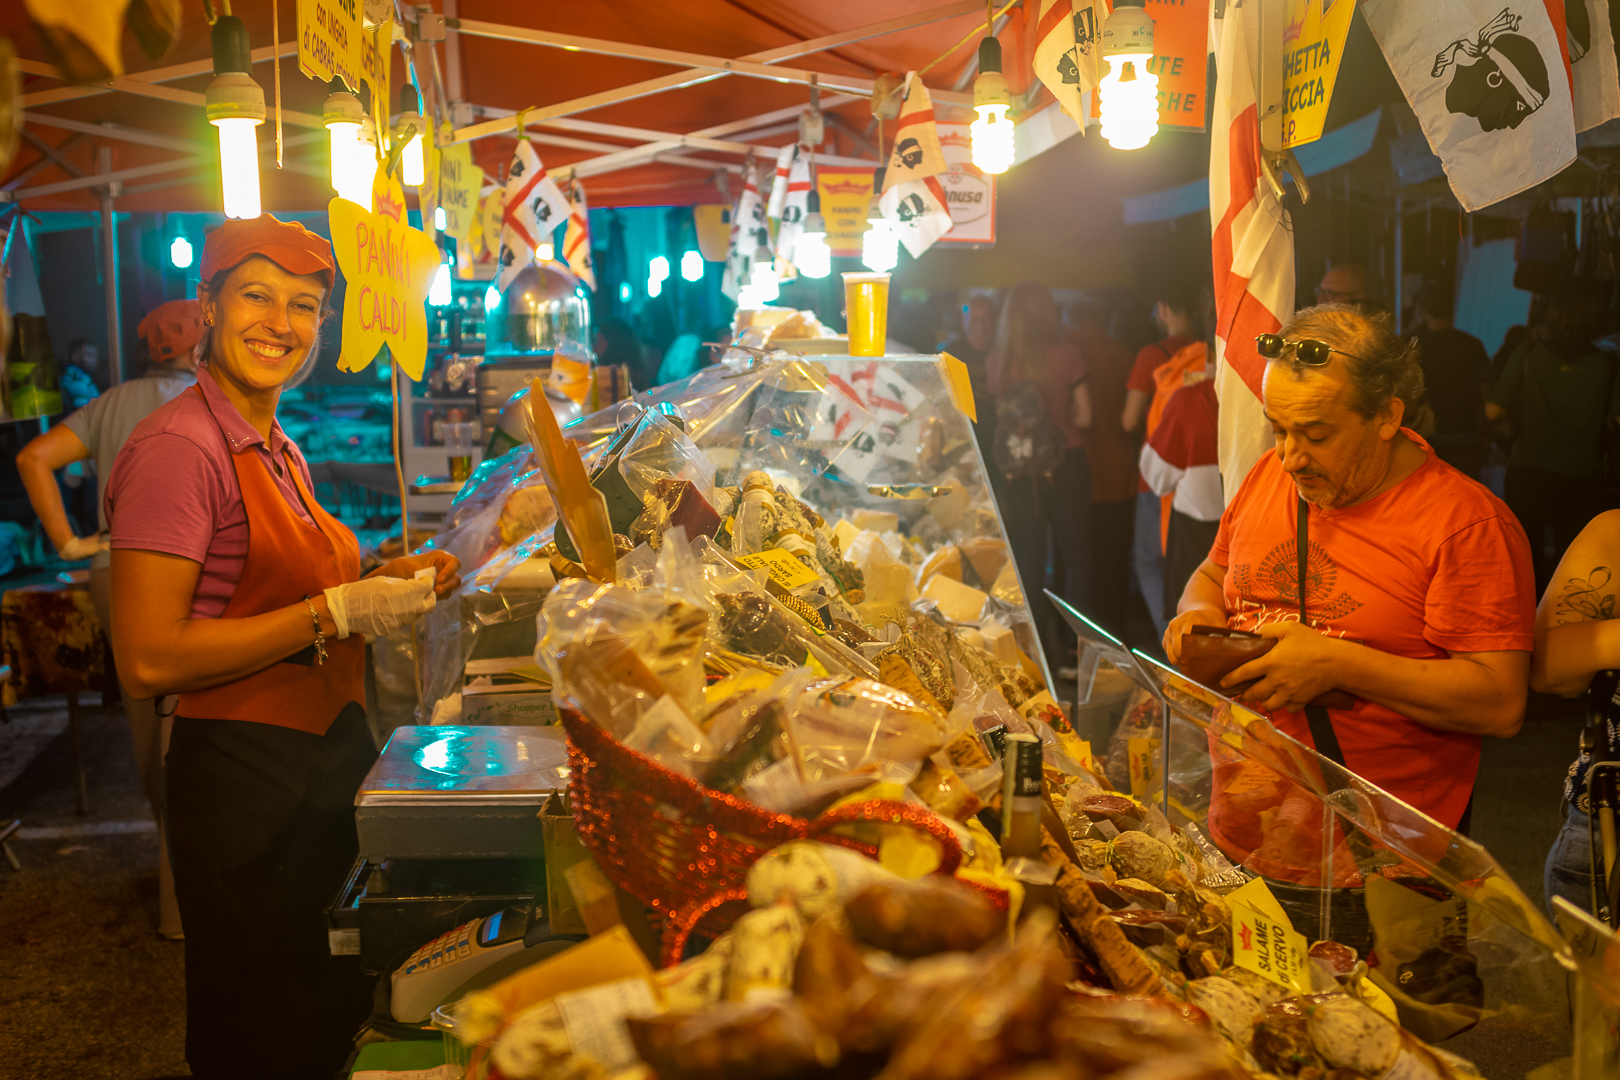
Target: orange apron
(287,559)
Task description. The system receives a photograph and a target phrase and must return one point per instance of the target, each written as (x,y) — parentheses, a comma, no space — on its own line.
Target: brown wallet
(1210,653)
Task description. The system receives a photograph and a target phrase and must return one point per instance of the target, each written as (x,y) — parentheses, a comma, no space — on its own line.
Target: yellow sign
(1313,42)
(388,267)
(1269,948)
(490,214)
(845,194)
(785,570)
(1143,755)
(1256,895)
(959,385)
(333,40)
(460,181)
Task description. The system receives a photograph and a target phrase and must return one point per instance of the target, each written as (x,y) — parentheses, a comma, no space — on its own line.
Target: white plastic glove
(84,547)
(376,606)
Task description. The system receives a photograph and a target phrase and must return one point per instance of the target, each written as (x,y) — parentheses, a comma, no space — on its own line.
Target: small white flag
(1590,40)
(747,222)
(919,213)
(577,240)
(1068,51)
(794,207)
(784,168)
(1490,83)
(534,207)
(916,151)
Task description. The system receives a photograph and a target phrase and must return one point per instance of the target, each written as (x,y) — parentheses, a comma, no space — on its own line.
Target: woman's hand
(1185,620)
(1300,668)
(445,582)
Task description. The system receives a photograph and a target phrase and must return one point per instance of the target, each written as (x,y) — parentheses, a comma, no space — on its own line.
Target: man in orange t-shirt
(1419,594)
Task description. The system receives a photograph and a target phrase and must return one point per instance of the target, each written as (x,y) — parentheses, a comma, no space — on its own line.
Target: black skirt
(261,834)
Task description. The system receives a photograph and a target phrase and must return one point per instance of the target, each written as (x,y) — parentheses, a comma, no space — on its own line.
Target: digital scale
(450,833)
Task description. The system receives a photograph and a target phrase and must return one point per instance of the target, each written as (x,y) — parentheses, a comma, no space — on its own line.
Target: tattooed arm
(1577,634)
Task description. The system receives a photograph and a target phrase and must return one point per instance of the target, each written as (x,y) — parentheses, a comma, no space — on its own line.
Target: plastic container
(457,1052)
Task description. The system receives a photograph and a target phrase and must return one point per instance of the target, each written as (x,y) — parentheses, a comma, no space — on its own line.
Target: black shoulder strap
(1322,733)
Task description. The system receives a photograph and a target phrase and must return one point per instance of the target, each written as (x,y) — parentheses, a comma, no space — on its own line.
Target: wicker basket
(683,849)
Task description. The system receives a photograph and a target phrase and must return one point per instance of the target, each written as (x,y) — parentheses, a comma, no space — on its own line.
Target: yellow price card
(1269,948)
(786,571)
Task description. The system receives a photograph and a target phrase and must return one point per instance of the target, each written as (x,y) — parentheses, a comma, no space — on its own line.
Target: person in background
(970,343)
(1175,312)
(173,334)
(1577,637)
(615,343)
(1563,390)
(1455,369)
(683,358)
(1418,587)
(1038,382)
(1111,456)
(1344,283)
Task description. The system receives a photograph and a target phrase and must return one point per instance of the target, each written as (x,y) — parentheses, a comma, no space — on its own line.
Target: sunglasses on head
(1308,351)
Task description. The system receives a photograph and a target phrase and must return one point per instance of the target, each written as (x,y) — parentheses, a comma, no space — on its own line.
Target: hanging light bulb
(880,245)
(492,298)
(763,282)
(438,218)
(365,162)
(1129,92)
(545,251)
(235,105)
(692,266)
(811,254)
(992,132)
(180,253)
(439,291)
(343,117)
(412,167)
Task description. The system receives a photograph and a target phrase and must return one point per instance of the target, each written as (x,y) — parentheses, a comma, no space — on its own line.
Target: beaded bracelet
(320,636)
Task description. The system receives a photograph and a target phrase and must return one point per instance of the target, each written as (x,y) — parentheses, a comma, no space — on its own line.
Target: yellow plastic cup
(866,305)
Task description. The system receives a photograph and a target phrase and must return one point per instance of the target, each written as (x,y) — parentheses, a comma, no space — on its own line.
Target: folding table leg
(78,754)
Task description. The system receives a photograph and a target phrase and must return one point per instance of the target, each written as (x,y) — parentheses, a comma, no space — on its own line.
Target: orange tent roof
(166,138)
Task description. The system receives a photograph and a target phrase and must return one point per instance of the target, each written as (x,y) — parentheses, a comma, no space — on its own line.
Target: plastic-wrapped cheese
(764,946)
(957,602)
(877,521)
(1232,1009)
(816,878)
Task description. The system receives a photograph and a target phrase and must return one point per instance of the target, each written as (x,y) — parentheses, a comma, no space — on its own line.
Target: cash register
(450,832)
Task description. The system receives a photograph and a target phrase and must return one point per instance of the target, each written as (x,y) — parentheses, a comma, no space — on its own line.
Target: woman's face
(265,322)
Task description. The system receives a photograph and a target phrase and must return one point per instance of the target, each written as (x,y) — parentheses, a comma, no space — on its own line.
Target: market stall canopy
(652,98)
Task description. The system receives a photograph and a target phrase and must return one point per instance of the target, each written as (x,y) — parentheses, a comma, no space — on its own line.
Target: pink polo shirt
(173,488)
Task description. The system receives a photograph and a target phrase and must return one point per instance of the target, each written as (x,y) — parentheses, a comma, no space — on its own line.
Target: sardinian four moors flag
(1068,51)
(534,207)
(916,153)
(1590,41)
(1252,247)
(747,222)
(1491,85)
(795,204)
(577,240)
(918,212)
(784,167)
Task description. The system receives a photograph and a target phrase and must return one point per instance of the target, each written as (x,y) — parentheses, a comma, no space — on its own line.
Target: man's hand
(1301,667)
(446,579)
(1203,615)
(83,547)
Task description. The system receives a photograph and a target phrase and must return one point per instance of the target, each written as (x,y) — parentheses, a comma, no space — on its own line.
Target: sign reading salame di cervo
(333,41)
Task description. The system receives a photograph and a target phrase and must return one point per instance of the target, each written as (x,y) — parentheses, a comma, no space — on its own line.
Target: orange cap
(286,243)
(172,329)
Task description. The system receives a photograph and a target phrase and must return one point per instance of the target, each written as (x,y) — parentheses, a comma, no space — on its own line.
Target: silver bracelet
(320,636)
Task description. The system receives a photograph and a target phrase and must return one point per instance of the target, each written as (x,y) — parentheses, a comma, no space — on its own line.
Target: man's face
(979,323)
(1341,285)
(1334,456)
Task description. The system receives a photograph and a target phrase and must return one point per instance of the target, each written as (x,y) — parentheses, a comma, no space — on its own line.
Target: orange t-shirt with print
(1435,565)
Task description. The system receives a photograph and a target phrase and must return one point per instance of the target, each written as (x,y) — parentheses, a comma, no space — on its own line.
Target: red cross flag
(1068,51)
(1252,248)
(916,152)
(577,240)
(1590,42)
(1491,85)
(794,206)
(534,207)
(784,166)
(919,213)
(747,222)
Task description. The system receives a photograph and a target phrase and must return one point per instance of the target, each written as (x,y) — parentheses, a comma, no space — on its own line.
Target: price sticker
(786,571)
(1269,948)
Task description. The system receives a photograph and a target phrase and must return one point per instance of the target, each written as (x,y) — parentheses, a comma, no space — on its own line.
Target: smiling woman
(233,589)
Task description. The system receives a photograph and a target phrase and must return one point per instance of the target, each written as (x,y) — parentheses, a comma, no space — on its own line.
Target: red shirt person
(1419,593)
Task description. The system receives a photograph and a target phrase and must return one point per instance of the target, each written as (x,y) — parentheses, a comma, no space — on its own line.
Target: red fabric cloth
(1182,456)
(1435,565)
(1110,450)
(1150,357)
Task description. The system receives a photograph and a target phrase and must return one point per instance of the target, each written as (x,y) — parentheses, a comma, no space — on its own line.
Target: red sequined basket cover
(683,849)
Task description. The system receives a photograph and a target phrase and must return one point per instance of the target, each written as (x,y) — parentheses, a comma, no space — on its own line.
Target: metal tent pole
(109,269)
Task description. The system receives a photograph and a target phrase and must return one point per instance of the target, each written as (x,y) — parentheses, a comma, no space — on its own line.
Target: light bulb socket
(812,204)
(1128,30)
(762,254)
(989,55)
(229,42)
(341,107)
(815,224)
(410,101)
(990,88)
(812,128)
(234,96)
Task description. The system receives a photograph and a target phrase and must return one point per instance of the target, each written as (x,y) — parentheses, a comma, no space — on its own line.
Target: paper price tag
(1269,948)
(1144,762)
(785,570)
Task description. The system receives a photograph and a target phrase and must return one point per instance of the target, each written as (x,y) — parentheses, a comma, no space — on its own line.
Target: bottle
(1021,797)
